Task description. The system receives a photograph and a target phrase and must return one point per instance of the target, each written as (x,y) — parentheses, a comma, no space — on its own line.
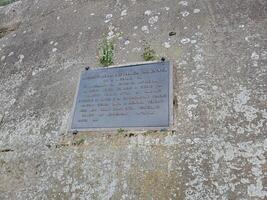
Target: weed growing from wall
(149,54)
(5,2)
(106,52)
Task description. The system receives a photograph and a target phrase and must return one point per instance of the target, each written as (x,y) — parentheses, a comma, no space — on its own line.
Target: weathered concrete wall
(218,148)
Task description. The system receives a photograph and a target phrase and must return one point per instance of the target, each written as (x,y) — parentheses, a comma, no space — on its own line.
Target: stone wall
(218,147)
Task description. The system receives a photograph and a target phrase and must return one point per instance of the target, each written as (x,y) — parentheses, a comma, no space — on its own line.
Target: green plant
(106,52)
(5,2)
(120,130)
(79,142)
(149,54)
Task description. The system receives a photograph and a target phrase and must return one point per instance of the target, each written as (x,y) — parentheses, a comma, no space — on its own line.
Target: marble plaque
(135,96)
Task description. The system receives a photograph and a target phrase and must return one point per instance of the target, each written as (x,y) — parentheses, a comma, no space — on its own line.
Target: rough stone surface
(218,148)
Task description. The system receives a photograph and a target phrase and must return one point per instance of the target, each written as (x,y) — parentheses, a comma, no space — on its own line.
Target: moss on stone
(5,2)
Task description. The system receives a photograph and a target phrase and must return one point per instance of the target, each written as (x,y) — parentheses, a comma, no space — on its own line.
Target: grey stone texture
(218,147)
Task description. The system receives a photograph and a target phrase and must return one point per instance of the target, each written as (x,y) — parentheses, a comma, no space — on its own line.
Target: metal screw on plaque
(75,132)
(163,59)
(87,68)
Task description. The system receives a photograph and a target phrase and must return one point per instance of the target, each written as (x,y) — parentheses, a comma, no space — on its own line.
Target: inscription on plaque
(135,96)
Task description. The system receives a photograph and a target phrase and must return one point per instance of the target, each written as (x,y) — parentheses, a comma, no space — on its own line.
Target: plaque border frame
(141,128)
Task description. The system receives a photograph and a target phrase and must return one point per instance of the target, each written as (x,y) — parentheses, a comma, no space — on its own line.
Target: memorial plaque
(135,96)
